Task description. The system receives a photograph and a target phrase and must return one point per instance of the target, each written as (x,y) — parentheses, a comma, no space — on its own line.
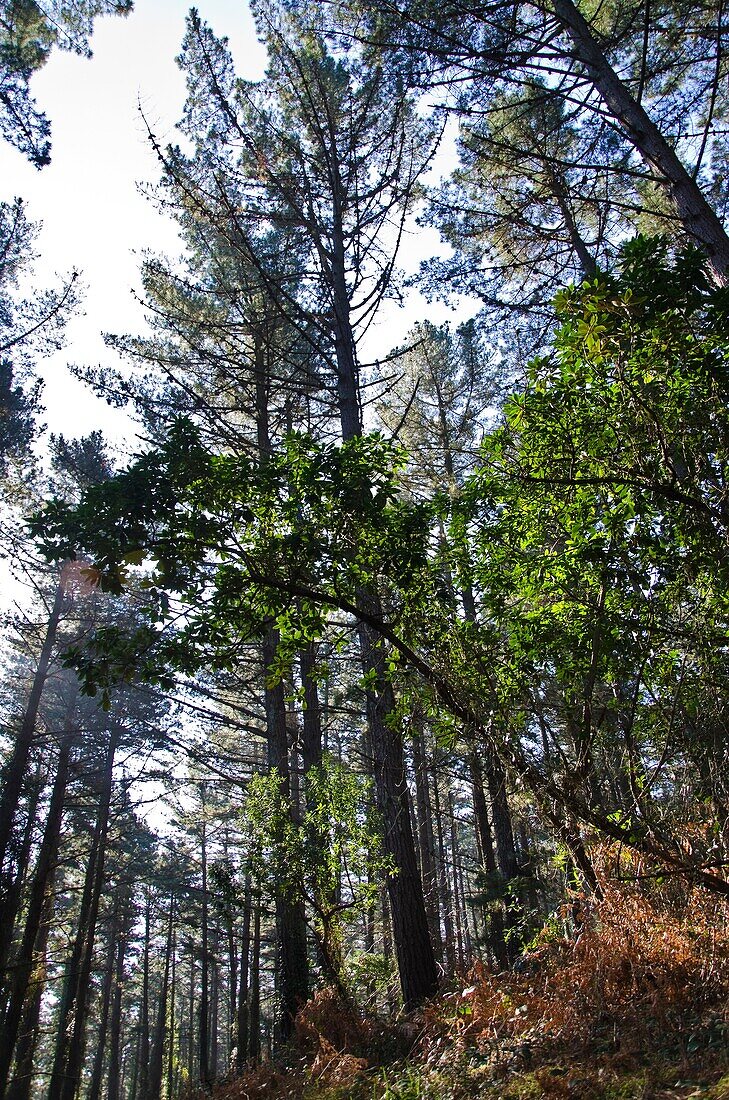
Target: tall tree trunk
(696,215)
(369,913)
(203,1038)
(37,906)
(156,1061)
(242,1017)
(171,1052)
(232,947)
(11,901)
(135,1060)
(113,1079)
(254,1038)
(292,968)
(469,939)
(101,1040)
(413,948)
(443,878)
(14,771)
(141,1077)
(485,843)
(387,952)
(460,889)
(191,1018)
(311,749)
(28,1033)
(506,857)
(214,1003)
(561,194)
(457,913)
(426,838)
(67,1065)
(414,951)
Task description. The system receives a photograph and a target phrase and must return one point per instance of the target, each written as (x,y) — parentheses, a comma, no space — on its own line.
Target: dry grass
(646,962)
(635,1005)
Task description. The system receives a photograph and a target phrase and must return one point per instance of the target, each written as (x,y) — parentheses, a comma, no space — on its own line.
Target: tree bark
(11,900)
(191,1018)
(68,1060)
(484,838)
(457,912)
(171,1051)
(292,969)
(113,1079)
(413,948)
(141,1077)
(426,839)
(156,1061)
(254,1038)
(16,767)
(242,1017)
(443,880)
(98,1067)
(27,1039)
(37,907)
(203,1037)
(311,754)
(696,215)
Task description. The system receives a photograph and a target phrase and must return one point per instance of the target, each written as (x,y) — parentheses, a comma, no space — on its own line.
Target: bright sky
(94,218)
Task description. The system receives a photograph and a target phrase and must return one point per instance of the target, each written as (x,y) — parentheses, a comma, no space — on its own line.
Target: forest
(367,734)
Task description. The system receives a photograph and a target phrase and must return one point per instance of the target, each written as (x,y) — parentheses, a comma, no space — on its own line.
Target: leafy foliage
(329,856)
(593,529)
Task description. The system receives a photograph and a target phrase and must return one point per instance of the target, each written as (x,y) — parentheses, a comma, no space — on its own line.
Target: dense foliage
(372,671)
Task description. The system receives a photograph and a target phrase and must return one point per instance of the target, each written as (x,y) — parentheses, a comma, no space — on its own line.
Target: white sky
(94,218)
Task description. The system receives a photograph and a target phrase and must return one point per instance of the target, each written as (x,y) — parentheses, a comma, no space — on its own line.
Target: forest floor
(636,1006)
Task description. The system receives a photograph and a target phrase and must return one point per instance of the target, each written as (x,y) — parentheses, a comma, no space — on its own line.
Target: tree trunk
(38,903)
(12,897)
(311,754)
(142,1066)
(16,767)
(113,1081)
(426,839)
(98,1068)
(560,191)
(443,880)
(506,857)
(171,1052)
(696,215)
(191,1019)
(242,1017)
(414,951)
(156,1061)
(461,898)
(292,968)
(254,1038)
(68,1060)
(457,913)
(484,839)
(203,1037)
(28,1032)
(214,1002)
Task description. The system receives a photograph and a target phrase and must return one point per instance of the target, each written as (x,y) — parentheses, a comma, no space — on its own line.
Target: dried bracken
(645,974)
(630,1002)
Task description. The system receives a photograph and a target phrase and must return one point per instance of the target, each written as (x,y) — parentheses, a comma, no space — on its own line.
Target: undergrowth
(634,1006)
